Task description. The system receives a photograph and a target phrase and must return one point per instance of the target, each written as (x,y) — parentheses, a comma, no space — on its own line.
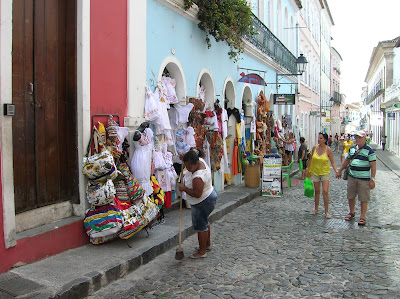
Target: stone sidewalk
(79,272)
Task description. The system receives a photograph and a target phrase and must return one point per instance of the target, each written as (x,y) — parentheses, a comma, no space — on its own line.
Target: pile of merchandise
(119,205)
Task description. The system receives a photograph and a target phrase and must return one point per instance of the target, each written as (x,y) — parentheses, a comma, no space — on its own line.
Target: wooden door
(44,93)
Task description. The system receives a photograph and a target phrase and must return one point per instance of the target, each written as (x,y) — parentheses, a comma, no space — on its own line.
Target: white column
(7,174)
(137,62)
(83,92)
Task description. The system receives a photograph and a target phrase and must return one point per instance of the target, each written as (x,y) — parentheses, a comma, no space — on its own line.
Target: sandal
(350,216)
(207,249)
(362,222)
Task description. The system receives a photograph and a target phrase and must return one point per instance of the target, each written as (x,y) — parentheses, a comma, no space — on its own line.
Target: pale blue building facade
(176,45)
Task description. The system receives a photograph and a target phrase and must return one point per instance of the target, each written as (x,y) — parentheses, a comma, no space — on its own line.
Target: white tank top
(205,176)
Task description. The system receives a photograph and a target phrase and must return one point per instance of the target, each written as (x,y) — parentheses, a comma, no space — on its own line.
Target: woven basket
(252,176)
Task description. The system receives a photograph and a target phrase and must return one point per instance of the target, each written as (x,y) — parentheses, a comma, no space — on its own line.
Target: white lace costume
(141,160)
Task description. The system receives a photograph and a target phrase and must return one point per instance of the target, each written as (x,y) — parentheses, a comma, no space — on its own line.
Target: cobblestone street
(273,248)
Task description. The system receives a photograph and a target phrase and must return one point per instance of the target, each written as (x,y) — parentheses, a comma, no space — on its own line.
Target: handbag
(98,194)
(158,193)
(346,173)
(308,188)
(132,217)
(148,209)
(99,167)
(347,169)
(134,189)
(103,221)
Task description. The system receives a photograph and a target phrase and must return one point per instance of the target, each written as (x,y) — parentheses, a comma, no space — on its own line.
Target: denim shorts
(202,210)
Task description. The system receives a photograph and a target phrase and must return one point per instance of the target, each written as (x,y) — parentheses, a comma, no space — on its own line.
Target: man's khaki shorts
(358,187)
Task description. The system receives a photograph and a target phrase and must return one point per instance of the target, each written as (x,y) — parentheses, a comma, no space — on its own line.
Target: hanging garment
(235,112)
(112,130)
(183,112)
(216,149)
(189,137)
(122,134)
(173,117)
(212,122)
(207,153)
(224,119)
(162,123)
(202,93)
(151,110)
(235,156)
(141,160)
(225,163)
(170,89)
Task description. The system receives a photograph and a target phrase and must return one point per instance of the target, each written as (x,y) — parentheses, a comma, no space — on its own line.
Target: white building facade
(379,76)
(392,104)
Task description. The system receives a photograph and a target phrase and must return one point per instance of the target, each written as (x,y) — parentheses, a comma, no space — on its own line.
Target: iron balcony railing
(377,88)
(337,97)
(270,45)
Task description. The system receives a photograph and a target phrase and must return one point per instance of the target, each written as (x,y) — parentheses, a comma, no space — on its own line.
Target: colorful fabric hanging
(235,156)
(216,149)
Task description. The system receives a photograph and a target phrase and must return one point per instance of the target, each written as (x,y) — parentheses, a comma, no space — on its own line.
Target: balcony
(337,98)
(270,45)
(375,92)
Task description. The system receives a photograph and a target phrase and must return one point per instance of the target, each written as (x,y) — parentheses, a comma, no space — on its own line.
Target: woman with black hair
(318,167)
(202,197)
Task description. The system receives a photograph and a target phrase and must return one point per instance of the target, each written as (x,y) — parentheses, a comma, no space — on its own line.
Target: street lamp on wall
(301,64)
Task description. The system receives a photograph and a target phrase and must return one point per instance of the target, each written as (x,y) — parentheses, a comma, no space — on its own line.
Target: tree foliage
(225,20)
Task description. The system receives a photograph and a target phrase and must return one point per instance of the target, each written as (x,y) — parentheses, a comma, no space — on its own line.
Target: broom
(179,251)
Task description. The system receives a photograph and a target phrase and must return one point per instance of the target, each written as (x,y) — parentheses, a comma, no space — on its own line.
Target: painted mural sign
(252,79)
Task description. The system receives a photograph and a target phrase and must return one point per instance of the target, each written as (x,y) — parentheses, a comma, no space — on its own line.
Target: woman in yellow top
(318,167)
(347,144)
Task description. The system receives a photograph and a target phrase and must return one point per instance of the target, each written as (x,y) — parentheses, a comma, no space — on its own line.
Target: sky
(359,26)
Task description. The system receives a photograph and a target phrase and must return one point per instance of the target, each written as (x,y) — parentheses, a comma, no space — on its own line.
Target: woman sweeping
(202,197)
(319,168)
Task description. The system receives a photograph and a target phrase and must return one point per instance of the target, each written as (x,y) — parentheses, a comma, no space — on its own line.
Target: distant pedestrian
(289,148)
(341,140)
(362,160)
(347,144)
(336,143)
(330,141)
(319,168)
(383,141)
(370,135)
(302,157)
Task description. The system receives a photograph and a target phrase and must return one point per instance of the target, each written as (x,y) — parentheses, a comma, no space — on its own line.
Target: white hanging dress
(141,160)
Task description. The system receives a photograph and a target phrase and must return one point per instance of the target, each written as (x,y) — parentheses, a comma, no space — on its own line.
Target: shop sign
(392,116)
(252,79)
(329,120)
(314,112)
(284,99)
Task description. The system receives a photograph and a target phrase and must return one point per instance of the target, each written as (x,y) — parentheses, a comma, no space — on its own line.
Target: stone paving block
(15,285)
